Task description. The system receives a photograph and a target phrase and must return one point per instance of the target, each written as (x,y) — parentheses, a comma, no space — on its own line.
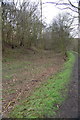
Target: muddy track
(69,109)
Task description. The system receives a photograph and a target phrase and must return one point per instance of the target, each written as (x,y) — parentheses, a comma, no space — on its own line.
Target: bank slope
(46,100)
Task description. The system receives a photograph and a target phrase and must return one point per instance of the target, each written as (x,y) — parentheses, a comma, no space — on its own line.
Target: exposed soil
(25,72)
(69,109)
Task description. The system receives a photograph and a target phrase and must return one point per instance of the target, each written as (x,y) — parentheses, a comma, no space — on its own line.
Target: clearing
(23,71)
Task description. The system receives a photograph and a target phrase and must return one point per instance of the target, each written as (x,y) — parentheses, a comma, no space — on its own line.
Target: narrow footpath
(69,108)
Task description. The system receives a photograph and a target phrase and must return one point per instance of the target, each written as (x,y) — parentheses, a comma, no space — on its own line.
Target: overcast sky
(49,11)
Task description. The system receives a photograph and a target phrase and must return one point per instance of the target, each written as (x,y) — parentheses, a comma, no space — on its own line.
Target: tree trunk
(79,16)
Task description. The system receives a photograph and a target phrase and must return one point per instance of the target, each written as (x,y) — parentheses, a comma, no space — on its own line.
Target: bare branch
(57,3)
(68,5)
(68,8)
(72,4)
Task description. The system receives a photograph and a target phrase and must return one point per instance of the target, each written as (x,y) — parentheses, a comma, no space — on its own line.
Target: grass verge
(45,101)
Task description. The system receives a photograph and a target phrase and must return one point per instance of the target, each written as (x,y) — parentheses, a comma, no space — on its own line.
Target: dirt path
(69,108)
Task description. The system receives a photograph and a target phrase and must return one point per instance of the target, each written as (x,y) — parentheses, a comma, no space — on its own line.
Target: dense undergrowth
(46,99)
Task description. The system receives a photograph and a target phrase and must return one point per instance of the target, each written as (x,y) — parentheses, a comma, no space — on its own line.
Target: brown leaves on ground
(28,77)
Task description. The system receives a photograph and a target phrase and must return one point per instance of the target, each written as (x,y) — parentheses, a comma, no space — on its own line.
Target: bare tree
(61,29)
(79,16)
(21,25)
(62,5)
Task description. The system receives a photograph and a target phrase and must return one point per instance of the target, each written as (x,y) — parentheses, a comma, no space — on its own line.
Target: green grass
(45,101)
(10,91)
(10,69)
